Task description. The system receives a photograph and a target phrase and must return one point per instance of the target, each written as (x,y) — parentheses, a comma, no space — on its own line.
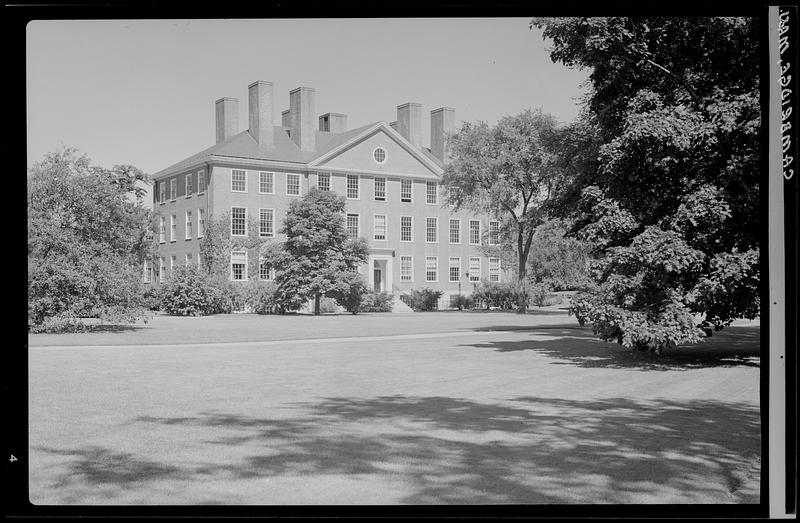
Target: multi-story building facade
(390,181)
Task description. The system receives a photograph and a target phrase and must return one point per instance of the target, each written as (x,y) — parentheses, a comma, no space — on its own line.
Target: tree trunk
(522,273)
(316,304)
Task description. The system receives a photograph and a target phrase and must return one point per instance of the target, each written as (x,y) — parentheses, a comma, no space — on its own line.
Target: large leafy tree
(318,258)
(671,202)
(88,236)
(508,172)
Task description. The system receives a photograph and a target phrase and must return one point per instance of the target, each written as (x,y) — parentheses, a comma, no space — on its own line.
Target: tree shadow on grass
(525,451)
(570,344)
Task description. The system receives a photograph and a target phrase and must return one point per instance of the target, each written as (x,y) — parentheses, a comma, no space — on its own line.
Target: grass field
(389,409)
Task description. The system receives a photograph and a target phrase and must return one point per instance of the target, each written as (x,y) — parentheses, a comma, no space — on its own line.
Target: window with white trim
(188,183)
(173,262)
(324,181)
(494,269)
(162,230)
(266,222)
(352,226)
(187,259)
(454,269)
(379,226)
(379,155)
(266,182)
(201,222)
(474,232)
(494,233)
(201,181)
(173,188)
(380,189)
(352,186)
(238,180)
(431,228)
(199,260)
(265,271)
(147,277)
(292,184)
(162,269)
(474,268)
(431,268)
(162,191)
(406,268)
(455,231)
(188,225)
(173,228)
(238,221)
(238,265)
(406,228)
(405,191)
(431,196)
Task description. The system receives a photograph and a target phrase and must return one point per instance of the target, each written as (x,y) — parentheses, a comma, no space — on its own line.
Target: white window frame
(325,176)
(358,223)
(491,242)
(357,188)
(201,222)
(201,176)
(261,180)
(435,229)
(147,277)
(410,268)
(411,229)
(187,185)
(375,228)
(428,186)
(380,198)
(290,176)
(271,233)
(173,189)
(188,226)
(270,271)
(245,222)
(474,277)
(457,230)
(470,232)
(450,268)
(187,259)
(162,229)
(410,183)
(162,269)
(492,272)
(162,192)
(245,180)
(435,269)
(173,261)
(244,271)
(385,155)
(173,228)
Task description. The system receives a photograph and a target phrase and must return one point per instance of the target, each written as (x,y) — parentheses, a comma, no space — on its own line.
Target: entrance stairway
(398,305)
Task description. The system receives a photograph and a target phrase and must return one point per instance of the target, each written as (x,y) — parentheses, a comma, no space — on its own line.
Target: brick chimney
(409,122)
(260,111)
(301,105)
(333,122)
(227,110)
(443,123)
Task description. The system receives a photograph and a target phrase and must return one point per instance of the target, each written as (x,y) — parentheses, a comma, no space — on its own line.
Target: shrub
(424,299)
(189,292)
(495,294)
(261,298)
(462,302)
(328,305)
(151,297)
(377,302)
(539,293)
(350,291)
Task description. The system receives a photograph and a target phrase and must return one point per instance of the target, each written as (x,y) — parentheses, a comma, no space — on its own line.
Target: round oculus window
(379,154)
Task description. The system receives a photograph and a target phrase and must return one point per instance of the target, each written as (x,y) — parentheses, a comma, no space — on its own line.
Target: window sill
(406,201)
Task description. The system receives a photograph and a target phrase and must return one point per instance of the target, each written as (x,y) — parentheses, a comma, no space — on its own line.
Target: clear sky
(142,92)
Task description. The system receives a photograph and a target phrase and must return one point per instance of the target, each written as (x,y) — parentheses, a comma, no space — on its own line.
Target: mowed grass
(488,408)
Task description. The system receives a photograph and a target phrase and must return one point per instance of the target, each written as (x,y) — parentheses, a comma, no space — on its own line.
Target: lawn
(390,409)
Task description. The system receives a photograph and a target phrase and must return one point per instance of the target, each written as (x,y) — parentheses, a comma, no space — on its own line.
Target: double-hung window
(352,186)
(148,272)
(431,196)
(188,182)
(494,233)
(239,265)
(406,229)
(188,259)
(379,224)
(454,269)
(266,182)
(162,230)
(324,181)
(265,271)
(380,189)
(494,269)
(431,268)
(173,228)
(405,191)
(352,225)
(238,180)
(162,269)
(201,181)
(173,188)
(201,222)
(266,222)
(455,231)
(406,268)
(292,184)
(431,228)
(188,225)
(238,221)
(162,191)
(474,232)
(474,268)
(173,262)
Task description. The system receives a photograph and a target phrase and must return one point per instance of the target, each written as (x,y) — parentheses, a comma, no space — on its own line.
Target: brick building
(390,180)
